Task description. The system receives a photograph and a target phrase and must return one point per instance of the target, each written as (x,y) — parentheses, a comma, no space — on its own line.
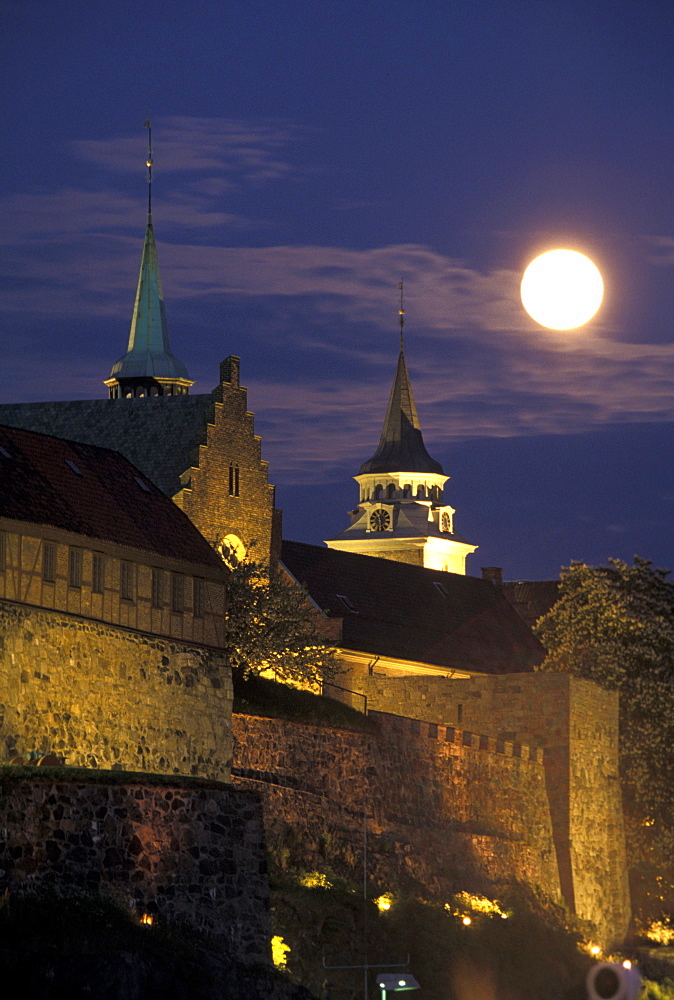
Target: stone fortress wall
(179,850)
(454,809)
(524,788)
(574,726)
(103,696)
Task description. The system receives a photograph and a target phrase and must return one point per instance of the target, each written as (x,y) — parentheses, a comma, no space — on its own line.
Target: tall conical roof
(401,447)
(149,351)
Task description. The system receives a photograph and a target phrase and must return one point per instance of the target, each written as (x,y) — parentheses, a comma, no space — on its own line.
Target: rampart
(103,696)
(574,725)
(179,851)
(442,815)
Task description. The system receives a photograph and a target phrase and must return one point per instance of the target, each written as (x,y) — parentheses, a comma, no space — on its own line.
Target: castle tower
(149,367)
(401,514)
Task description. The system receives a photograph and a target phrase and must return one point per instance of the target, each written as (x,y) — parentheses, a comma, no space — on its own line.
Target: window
(198,598)
(157,588)
(177,593)
(347,602)
(233,480)
(390,490)
(126,581)
(98,573)
(75,568)
(48,562)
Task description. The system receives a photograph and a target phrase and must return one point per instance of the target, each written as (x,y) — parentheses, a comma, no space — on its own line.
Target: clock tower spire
(401,513)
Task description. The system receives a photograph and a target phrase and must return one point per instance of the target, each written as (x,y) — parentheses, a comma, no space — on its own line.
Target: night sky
(307,155)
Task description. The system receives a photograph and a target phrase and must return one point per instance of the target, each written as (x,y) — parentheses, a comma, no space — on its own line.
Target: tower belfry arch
(401,513)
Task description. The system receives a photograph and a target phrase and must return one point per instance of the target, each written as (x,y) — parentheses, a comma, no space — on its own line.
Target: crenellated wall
(574,723)
(442,816)
(179,850)
(456,808)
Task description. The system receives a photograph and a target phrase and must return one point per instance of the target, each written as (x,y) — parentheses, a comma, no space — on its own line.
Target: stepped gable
(158,434)
(97,496)
(443,619)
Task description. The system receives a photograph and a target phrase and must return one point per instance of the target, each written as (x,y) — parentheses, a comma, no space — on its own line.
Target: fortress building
(479,770)
(200,450)
(112,616)
(401,513)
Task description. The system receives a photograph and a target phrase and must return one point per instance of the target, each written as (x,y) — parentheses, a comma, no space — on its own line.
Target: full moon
(562,289)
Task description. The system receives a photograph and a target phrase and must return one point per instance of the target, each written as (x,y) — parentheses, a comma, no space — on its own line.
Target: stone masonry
(443,816)
(227,489)
(574,723)
(179,851)
(102,696)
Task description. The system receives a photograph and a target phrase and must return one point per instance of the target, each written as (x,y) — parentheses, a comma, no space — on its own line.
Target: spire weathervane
(148,163)
(401,313)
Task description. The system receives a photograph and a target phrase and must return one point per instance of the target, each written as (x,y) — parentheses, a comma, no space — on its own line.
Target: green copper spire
(149,367)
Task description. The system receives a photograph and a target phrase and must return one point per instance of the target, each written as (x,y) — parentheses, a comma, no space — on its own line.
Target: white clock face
(380,520)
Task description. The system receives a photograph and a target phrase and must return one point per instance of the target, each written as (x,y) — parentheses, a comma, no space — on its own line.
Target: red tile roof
(93,492)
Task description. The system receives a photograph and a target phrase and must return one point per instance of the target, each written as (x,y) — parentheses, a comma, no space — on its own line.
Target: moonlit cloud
(480,367)
(235,150)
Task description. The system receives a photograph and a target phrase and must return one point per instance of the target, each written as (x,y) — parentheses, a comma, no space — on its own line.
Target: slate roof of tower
(101,501)
(159,434)
(149,351)
(401,446)
(465,623)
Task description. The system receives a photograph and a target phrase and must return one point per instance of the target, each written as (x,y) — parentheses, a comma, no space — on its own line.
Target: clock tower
(402,514)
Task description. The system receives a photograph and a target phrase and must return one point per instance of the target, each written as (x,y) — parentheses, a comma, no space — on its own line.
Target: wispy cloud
(236,151)
(480,366)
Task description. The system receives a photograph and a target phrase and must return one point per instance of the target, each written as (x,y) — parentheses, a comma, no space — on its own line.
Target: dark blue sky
(308,155)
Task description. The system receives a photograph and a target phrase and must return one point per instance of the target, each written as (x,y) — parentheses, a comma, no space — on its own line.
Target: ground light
(392,982)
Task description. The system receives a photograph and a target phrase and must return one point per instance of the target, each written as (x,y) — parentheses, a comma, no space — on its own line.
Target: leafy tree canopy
(614,625)
(271,626)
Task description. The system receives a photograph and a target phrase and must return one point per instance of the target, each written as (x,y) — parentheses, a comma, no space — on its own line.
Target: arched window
(421,492)
(407,491)
(390,490)
(378,490)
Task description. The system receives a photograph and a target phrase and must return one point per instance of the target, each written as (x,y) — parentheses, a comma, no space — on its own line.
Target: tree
(271,626)
(614,625)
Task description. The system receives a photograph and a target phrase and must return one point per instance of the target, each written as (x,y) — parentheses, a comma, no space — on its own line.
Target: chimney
(494,574)
(229,370)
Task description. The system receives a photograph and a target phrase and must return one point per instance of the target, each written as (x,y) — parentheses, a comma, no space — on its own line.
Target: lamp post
(396,982)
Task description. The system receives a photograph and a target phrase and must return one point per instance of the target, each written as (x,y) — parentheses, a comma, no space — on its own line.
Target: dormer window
(347,602)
